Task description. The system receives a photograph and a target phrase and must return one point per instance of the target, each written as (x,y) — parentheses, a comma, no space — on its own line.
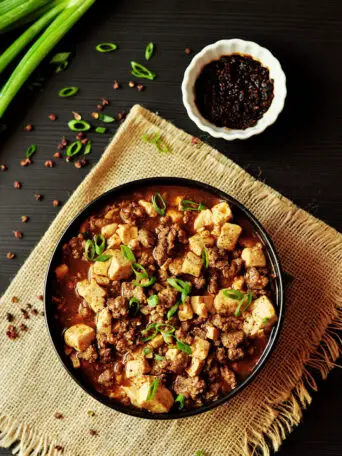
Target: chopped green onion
(127,252)
(233,294)
(172,311)
(181,286)
(89,251)
(60,57)
(100,243)
(74,148)
(68,91)
(153,300)
(62,66)
(168,337)
(140,71)
(30,151)
(103,258)
(149,50)
(183,347)
(147,330)
(156,200)
(100,130)
(156,140)
(139,275)
(105,118)
(158,357)
(152,389)
(87,148)
(134,304)
(180,401)
(106,47)
(205,258)
(200,453)
(150,282)
(188,205)
(161,327)
(79,125)
(147,351)
(265,320)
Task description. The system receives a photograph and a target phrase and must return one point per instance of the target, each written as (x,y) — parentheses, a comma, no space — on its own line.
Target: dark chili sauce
(234,91)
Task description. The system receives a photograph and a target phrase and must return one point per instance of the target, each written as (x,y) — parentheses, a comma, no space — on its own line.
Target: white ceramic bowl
(214,52)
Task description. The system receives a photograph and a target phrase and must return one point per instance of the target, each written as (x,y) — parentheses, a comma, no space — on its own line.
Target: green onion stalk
(64,21)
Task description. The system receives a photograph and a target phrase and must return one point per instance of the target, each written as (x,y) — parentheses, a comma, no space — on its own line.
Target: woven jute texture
(34,385)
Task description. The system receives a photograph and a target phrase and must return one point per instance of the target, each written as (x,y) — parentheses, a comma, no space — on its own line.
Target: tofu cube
(149,208)
(111,213)
(221,213)
(114,241)
(238,283)
(225,305)
(192,264)
(138,391)
(156,341)
(185,311)
(101,267)
(101,280)
(261,315)
(127,233)
(196,244)
(76,363)
(201,305)
(212,333)
(79,336)
(229,236)
(61,271)
(200,350)
(171,354)
(137,367)
(108,230)
(175,215)
(92,293)
(120,267)
(253,256)
(175,267)
(104,322)
(204,218)
(195,367)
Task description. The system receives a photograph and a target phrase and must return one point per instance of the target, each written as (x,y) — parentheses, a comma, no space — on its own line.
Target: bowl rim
(98,202)
(223,132)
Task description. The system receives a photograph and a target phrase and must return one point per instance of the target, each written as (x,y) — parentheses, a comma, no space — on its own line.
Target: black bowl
(72,230)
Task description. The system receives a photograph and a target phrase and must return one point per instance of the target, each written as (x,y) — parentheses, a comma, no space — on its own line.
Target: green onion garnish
(233,294)
(165,327)
(60,57)
(87,148)
(156,140)
(265,320)
(140,71)
(127,252)
(183,347)
(168,337)
(159,203)
(79,125)
(30,151)
(158,357)
(181,286)
(205,258)
(100,243)
(134,305)
(74,148)
(62,66)
(68,91)
(152,389)
(149,50)
(150,282)
(200,453)
(100,130)
(106,47)
(180,401)
(148,330)
(89,251)
(147,351)
(139,275)
(103,258)
(105,118)
(188,205)
(172,311)
(242,298)
(153,300)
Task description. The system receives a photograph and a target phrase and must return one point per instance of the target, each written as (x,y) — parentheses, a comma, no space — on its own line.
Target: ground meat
(115,288)
(95,223)
(106,378)
(163,275)
(255,280)
(199,332)
(167,239)
(146,237)
(190,387)
(167,297)
(179,364)
(213,285)
(131,211)
(84,310)
(182,236)
(228,377)
(198,282)
(213,255)
(118,306)
(221,355)
(106,355)
(213,392)
(77,246)
(184,336)
(235,267)
(90,354)
(187,217)
(235,354)
(127,289)
(232,339)
(226,323)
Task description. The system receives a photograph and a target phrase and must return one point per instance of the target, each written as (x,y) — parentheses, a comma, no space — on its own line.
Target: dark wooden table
(300,155)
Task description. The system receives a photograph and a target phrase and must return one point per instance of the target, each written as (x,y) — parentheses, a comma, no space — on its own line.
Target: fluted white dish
(214,52)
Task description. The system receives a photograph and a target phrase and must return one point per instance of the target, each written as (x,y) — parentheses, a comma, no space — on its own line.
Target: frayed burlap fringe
(278,405)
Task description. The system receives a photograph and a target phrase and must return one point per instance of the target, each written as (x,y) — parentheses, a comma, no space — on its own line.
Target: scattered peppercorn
(23,327)
(29,306)
(34,312)
(17,184)
(99,107)
(131,83)
(187,51)
(57,155)
(116,85)
(52,117)
(195,140)
(63,143)
(9,317)
(80,135)
(56,203)
(3,168)
(59,416)
(76,115)
(105,102)
(80,163)
(122,115)
(24,218)
(93,432)
(42,313)
(18,234)
(40,297)
(14,299)
(140,87)
(25,162)
(95,115)
(49,164)
(28,127)
(25,314)
(10,255)
(68,159)
(38,197)
(12,332)
(84,141)
(91,413)
(59,448)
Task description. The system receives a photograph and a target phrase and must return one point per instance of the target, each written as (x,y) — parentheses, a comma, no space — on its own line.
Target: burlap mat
(34,385)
